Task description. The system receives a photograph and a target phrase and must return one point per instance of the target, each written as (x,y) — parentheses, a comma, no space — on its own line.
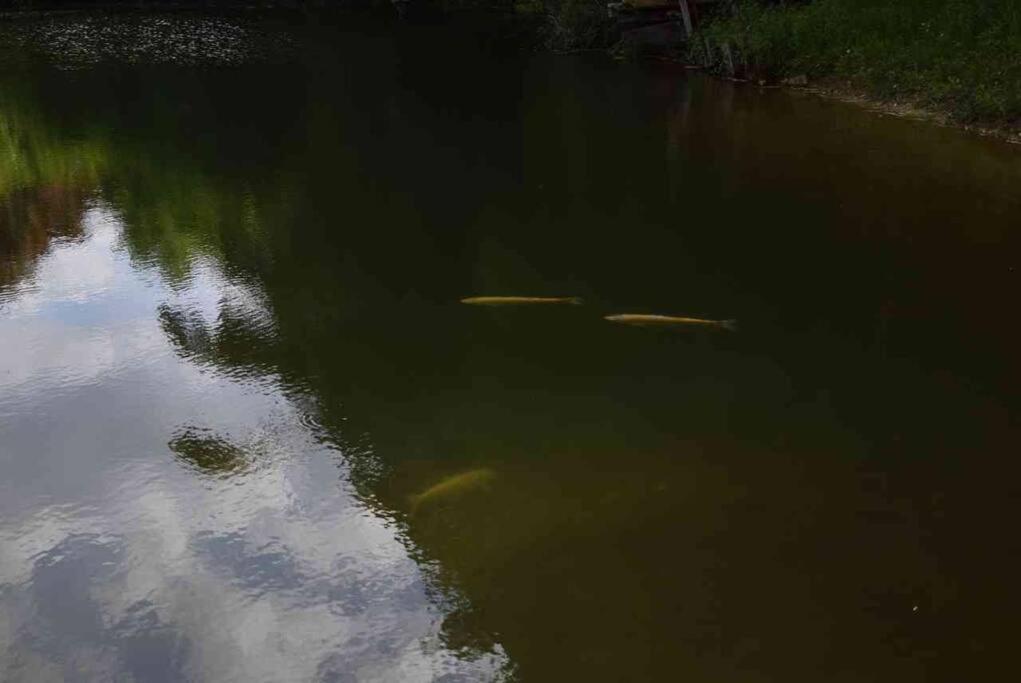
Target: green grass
(961,57)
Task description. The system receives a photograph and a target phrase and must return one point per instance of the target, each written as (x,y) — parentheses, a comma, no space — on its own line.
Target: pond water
(232,353)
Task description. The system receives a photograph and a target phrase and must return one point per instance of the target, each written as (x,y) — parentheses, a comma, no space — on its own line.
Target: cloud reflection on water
(117,562)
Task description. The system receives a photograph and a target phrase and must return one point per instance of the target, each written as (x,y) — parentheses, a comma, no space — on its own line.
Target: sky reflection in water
(119,560)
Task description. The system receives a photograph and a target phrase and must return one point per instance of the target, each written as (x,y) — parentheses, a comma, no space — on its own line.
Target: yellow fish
(651,319)
(453,485)
(519,300)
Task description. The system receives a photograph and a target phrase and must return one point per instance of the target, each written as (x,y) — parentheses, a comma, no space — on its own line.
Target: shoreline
(832,88)
(905,110)
(837,91)
(949,62)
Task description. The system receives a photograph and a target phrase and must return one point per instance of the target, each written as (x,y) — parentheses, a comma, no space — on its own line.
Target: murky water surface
(233,355)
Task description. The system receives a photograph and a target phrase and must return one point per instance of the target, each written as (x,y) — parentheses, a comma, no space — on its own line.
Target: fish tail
(413,502)
(729,325)
(575,301)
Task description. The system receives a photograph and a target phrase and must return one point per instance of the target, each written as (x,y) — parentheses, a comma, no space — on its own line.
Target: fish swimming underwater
(519,300)
(453,485)
(652,319)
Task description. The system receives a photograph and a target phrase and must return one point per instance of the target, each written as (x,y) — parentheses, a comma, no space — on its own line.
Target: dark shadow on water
(205,452)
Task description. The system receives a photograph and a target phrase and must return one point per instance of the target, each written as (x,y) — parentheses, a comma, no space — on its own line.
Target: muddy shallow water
(233,352)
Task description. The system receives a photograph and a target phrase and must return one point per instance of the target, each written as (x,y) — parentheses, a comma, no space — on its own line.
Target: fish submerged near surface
(453,485)
(649,319)
(520,300)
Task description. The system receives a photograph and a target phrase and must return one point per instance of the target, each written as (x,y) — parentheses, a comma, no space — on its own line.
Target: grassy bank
(957,57)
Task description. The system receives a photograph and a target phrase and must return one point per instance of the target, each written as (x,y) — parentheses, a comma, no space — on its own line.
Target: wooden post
(728,58)
(686,17)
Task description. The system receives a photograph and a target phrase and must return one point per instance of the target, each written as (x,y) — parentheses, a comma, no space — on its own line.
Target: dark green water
(231,349)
